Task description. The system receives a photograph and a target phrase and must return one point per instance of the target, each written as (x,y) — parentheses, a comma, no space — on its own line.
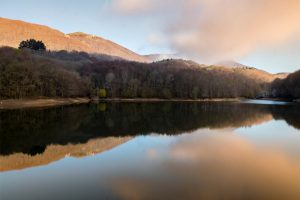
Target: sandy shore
(34,103)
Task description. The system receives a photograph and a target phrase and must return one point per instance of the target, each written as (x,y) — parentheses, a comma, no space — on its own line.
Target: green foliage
(102,93)
(32,44)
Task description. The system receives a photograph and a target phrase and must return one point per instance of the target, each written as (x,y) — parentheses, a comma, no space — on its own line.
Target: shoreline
(40,102)
(50,102)
(153,100)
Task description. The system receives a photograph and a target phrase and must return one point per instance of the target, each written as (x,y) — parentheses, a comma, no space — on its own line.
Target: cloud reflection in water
(208,165)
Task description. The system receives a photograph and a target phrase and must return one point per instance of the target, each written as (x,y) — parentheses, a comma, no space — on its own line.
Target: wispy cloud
(213,30)
(132,6)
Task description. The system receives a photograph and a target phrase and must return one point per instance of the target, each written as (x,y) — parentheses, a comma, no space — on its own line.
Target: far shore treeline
(25,73)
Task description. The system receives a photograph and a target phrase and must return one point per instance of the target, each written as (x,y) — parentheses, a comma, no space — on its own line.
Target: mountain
(12,32)
(252,71)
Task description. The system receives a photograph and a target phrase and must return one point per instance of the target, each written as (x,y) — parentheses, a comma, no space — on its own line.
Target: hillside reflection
(31,131)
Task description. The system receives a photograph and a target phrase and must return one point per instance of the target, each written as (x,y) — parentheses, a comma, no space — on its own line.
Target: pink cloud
(213,30)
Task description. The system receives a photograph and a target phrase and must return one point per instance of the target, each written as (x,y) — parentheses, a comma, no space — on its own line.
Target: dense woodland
(26,73)
(288,87)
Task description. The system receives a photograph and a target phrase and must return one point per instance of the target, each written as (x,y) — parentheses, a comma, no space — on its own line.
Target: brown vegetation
(175,79)
(288,87)
(24,74)
(33,74)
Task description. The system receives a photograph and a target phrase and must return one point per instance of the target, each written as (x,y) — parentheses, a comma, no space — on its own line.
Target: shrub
(102,93)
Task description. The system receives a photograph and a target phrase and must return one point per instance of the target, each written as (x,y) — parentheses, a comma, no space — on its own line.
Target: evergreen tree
(33,44)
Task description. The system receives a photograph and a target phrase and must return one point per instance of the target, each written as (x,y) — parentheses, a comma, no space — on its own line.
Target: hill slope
(251,71)
(12,32)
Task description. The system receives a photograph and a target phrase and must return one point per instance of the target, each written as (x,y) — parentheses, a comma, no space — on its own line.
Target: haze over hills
(12,32)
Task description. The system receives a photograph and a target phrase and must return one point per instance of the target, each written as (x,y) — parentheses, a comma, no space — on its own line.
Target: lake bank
(43,102)
(145,100)
(49,102)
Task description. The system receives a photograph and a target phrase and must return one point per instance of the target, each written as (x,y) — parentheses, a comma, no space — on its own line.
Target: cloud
(156,38)
(232,29)
(132,6)
(213,30)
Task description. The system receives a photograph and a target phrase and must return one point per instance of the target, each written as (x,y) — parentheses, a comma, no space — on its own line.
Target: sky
(260,33)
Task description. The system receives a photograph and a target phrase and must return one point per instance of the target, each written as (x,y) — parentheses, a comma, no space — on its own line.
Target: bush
(102,93)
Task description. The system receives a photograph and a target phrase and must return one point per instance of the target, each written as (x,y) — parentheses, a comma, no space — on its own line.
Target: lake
(204,150)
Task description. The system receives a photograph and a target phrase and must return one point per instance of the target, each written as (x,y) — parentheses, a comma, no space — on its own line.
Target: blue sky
(143,33)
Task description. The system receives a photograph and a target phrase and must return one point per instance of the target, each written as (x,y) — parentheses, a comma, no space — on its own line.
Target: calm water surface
(163,151)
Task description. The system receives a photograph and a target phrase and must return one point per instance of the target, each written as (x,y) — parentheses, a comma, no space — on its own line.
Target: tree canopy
(76,74)
(33,44)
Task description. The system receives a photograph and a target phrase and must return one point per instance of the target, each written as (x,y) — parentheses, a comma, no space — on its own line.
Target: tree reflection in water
(30,131)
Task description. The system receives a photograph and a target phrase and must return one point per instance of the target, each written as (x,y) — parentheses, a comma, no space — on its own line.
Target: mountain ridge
(12,32)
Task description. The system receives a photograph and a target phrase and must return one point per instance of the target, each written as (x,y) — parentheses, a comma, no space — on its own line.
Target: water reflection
(56,152)
(151,151)
(34,133)
(208,165)
(31,131)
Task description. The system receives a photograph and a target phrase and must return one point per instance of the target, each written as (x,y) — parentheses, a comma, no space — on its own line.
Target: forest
(288,87)
(29,74)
